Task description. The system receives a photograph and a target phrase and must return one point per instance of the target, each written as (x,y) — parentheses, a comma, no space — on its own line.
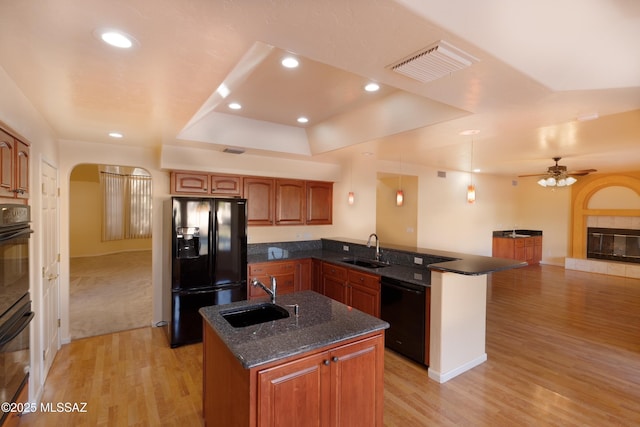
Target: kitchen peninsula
(327,352)
(456,287)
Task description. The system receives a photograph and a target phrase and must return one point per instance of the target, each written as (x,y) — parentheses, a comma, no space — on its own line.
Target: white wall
(18,113)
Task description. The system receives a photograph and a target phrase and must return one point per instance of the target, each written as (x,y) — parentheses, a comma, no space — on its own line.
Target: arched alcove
(581,209)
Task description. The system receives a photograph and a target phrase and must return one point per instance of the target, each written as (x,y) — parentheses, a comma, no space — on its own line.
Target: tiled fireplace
(613,244)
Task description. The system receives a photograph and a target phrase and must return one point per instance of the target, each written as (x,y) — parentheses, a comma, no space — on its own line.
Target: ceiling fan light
(551,181)
(571,180)
(561,182)
(542,182)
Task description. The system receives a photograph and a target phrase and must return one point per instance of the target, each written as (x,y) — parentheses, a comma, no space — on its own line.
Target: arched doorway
(110,285)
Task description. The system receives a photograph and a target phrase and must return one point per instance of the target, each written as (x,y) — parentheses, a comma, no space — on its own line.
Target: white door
(51,266)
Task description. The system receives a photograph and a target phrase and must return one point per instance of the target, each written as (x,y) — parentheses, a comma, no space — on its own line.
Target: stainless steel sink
(254,314)
(368,263)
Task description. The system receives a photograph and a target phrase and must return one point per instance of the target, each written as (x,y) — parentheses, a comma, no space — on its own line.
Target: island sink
(254,315)
(368,263)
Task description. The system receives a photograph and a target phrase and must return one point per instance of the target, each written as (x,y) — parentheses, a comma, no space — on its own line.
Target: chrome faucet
(271,292)
(377,245)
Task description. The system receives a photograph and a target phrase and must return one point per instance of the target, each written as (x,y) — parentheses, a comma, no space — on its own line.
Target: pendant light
(351,198)
(471,189)
(399,192)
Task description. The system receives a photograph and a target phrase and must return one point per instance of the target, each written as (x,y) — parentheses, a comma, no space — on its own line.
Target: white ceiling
(541,66)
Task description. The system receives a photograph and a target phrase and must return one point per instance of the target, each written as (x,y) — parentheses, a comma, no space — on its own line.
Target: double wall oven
(15,302)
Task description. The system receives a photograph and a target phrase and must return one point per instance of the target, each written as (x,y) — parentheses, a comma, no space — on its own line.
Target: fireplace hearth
(614,244)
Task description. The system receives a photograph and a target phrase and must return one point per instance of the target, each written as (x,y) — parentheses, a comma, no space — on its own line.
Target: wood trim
(580,211)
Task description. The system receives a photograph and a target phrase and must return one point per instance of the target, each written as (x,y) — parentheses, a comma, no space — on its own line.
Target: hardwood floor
(563,349)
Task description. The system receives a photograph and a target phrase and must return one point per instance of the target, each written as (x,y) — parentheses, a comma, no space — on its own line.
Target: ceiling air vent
(233,150)
(438,60)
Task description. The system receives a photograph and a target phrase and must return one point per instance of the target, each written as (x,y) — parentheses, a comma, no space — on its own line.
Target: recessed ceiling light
(117,39)
(303,120)
(115,135)
(477,170)
(290,62)
(235,106)
(372,87)
(470,132)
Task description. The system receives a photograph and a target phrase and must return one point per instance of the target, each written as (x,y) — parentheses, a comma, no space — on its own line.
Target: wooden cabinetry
(527,249)
(226,185)
(291,276)
(355,288)
(290,202)
(14,167)
(319,203)
(304,275)
(260,195)
(338,385)
(270,201)
(203,184)
(332,388)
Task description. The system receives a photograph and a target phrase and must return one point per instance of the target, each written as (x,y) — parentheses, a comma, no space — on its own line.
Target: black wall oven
(15,302)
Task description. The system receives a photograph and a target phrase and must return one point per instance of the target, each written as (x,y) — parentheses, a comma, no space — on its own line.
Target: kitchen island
(324,366)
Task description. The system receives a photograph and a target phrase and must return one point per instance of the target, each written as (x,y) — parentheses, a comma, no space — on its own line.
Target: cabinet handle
(326,362)
(334,359)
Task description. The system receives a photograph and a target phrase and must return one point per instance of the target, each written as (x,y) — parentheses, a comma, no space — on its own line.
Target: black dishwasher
(403,306)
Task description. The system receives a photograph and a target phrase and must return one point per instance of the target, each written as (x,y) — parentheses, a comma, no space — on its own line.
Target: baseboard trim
(444,377)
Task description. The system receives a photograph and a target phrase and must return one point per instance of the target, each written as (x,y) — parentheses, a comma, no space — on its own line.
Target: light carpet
(109,293)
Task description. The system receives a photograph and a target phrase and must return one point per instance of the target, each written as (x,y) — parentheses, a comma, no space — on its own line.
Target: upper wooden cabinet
(290,202)
(226,185)
(14,167)
(203,184)
(270,201)
(260,196)
(319,202)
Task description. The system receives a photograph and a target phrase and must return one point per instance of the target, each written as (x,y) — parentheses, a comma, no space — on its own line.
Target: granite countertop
(452,262)
(321,321)
(417,276)
(516,234)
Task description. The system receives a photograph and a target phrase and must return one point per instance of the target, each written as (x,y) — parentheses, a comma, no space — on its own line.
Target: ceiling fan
(557,175)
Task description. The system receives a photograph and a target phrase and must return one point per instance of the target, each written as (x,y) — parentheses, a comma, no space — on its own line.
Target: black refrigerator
(208,260)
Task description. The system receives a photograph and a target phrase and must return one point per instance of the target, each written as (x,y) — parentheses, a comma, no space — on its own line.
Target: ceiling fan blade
(581,172)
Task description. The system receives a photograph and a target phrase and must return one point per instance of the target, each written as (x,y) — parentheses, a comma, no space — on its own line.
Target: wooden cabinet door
(316,279)
(296,393)
(335,289)
(357,383)
(283,271)
(303,275)
(226,185)
(189,183)
(290,202)
(22,170)
(319,202)
(503,247)
(364,292)
(7,152)
(537,250)
(259,193)
(364,299)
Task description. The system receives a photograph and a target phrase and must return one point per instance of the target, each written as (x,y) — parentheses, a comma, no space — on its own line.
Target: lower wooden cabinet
(527,249)
(291,276)
(355,288)
(337,387)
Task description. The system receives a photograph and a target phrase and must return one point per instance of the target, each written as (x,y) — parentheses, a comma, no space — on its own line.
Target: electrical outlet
(345,248)
(417,260)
